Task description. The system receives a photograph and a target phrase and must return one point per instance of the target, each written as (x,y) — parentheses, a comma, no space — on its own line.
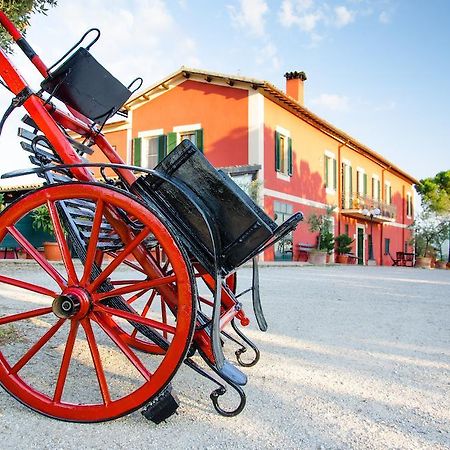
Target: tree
(435,192)
(19,12)
(435,195)
(322,223)
(429,232)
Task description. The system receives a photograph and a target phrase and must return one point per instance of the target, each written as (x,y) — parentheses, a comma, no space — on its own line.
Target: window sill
(283,176)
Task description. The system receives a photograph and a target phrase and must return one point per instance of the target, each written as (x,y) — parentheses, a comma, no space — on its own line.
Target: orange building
(266,138)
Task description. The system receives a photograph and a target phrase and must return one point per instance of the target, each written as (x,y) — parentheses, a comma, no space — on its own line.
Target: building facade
(269,142)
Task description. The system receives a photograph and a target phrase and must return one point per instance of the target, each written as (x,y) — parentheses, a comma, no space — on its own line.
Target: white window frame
(330,185)
(360,172)
(409,201)
(146,135)
(387,198)
(287,134)
(377,179)
(180,129)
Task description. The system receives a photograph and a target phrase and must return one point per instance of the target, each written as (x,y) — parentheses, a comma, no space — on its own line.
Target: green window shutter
(199,139)
(277,152)
(137,151)
(378,189)
(171,141)
(365,184)
(334,174)
(162,147)
(289,156)
(326,170)
(390,194)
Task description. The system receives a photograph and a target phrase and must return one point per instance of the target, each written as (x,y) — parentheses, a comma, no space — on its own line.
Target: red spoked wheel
(70,326)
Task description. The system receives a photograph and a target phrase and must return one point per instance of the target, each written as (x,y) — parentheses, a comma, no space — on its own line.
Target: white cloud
(300,13)
(384,17)
(269,55)
(250,15)
(388,106)
(343,16)
(139,38)
(333,102)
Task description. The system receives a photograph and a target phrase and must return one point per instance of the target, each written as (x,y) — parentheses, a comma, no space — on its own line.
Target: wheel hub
(74,303)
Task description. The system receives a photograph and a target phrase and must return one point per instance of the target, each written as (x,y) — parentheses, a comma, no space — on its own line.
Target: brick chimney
(294,85)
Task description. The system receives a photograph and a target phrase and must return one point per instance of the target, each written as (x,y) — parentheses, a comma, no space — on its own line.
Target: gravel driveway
(355,357)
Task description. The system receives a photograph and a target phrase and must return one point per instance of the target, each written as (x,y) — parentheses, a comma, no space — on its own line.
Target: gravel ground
(355,357)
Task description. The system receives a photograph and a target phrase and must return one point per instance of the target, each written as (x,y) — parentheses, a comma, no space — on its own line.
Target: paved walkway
(355,358)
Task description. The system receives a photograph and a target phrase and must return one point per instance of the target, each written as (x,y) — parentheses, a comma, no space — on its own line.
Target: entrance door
(360,243)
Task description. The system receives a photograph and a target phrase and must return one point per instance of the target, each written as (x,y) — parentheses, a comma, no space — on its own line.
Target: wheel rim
(81,312)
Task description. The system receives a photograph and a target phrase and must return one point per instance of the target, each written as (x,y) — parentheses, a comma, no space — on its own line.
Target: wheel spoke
(52,272)
(93,240)
(136,287)
(120,258)
(25,315)
(27,286)
(96,360)
(134,317)
(164,315)
(113,332)
(66,361)
(37,346)
(136,296)
(61,239)
(145,311)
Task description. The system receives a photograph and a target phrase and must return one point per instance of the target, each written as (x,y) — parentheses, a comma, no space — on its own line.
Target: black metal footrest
(162,406)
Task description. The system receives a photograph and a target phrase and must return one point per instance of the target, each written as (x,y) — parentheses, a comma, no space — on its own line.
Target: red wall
(222,112)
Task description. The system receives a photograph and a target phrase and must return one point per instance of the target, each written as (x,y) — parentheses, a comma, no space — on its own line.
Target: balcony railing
(357,203)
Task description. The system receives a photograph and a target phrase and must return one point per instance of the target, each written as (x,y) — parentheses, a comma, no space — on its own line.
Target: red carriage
(134,249)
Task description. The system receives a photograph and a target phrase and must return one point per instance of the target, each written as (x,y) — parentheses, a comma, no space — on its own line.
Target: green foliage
(1,201)
(429,233)
(435,192)
(321,223)
(253,190)
(327,242)
(19,12)
(343,242)
(42,220)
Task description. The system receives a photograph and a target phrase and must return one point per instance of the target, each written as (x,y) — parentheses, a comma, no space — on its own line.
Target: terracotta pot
(52,251)
(318,258)
(424,262)
(440,265)
(342,259)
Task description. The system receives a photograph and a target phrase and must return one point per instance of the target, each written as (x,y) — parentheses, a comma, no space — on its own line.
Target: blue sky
(378,69)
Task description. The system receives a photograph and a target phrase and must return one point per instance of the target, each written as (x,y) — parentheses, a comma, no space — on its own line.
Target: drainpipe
(383,199)
(339,183)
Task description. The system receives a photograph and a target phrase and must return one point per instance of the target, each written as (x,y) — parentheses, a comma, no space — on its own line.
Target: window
(347,184)
(387,193)
(387,245)
(409,205)
(330,172)
(361,182)
(148,149)
(193,133)
(376,188)
(283,153)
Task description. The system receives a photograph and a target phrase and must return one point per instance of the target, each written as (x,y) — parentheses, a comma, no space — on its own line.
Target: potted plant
(343,242)
(429,231)
(43,221)
(321,223)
